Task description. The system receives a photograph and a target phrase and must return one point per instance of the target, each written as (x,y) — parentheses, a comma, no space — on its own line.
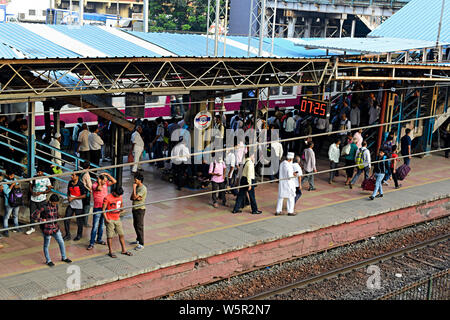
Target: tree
(178,15)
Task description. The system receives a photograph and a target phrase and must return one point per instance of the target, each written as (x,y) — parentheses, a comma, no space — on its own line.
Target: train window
(274,91)
(151,99)
(285,91)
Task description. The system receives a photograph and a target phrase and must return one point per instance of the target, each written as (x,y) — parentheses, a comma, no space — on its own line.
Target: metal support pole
(145,17)
(308,23)
(440,25)
(47,119)
(431,121)
(273,26)
(56,119)
(419,103)
(115,147)
(446,100)
(119,170)
(71,10)
(400,113)
(81,19)
(31,152)
(118,13)
(207,28)
(225,28)
(353,28)
(250,28)
(382,116)
(216,29)
(325,28)
(262,25)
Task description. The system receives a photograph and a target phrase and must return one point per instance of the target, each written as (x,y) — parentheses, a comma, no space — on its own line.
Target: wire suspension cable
(215,191)
(161,105)
(252,145)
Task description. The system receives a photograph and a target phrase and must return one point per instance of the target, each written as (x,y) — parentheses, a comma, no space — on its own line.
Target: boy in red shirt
(112,220)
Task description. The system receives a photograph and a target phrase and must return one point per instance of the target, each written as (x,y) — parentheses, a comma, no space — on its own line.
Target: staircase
(42,154)
(93,103)
(414,106)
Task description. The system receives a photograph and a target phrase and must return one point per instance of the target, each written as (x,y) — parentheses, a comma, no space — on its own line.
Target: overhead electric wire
(252,145)
(215,191)
(162,105)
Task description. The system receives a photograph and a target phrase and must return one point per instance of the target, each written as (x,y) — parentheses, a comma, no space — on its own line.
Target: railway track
(352,267)
(347,260)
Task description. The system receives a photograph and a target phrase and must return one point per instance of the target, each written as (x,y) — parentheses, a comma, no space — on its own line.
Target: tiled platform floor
(195,216)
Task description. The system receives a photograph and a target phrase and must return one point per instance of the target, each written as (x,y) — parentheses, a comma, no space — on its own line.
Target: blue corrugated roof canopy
(419,19)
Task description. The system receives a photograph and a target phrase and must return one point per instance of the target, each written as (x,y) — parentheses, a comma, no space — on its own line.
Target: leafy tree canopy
(178,15)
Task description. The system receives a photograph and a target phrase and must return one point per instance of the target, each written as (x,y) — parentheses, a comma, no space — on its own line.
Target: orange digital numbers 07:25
(313,107)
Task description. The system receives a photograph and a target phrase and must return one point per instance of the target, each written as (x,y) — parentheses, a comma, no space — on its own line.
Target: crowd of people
(235,173)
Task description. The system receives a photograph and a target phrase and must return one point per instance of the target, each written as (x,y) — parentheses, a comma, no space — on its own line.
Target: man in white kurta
(138,147)
(286,186)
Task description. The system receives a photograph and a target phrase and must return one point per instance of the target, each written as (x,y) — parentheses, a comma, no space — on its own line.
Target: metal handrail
(75,163)
(77,160)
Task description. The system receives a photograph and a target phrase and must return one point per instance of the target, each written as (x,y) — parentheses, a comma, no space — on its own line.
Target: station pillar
(31,148)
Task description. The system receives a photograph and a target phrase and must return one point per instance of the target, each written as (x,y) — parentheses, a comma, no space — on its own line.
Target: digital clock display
(313,107)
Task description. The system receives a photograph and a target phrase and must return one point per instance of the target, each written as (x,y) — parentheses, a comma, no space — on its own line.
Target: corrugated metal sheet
(106,42)
(419,19)
(367,45)
(6,52)
(188,44)
(287,47)
(31,44)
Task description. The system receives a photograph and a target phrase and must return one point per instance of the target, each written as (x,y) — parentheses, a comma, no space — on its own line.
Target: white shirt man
(333,156)
(289,125)
(182,152)
(138,147)
(240,152)
(286,186)
(277,148)
(355,116)
(230,161)
(334,153)
(95,142)
(55,143)
(83,139)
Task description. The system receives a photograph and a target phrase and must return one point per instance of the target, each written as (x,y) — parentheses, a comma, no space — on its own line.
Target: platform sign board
(203,120)
(135,105)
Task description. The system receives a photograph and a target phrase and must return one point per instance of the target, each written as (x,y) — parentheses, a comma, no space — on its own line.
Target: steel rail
(348,268)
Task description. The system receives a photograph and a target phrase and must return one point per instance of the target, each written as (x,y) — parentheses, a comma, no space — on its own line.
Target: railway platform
(188,242)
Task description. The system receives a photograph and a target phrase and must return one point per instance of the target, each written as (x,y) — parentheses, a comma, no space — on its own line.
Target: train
(160,106)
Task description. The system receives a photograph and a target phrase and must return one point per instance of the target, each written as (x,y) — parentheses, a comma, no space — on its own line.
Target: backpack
(346,150)
(360,159)
(343,126)
(15,198)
